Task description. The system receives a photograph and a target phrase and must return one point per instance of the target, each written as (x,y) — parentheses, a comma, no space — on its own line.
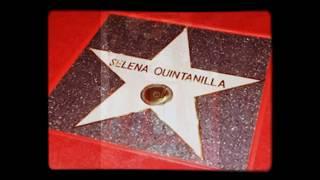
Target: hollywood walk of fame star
(180,112)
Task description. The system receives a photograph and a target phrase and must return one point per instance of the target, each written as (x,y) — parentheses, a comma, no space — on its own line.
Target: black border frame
(39,70)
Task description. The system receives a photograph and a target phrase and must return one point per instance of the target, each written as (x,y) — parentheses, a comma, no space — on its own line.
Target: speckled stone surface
(227,118)
(134,37)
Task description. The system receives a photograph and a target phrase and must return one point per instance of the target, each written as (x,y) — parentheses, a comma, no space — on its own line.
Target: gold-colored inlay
(156,94)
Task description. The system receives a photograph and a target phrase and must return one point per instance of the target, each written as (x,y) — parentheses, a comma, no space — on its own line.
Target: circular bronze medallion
(156,94)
